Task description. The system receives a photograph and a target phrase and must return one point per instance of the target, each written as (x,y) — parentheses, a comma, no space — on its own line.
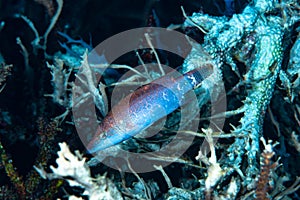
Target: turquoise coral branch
(256,40)
(262,75)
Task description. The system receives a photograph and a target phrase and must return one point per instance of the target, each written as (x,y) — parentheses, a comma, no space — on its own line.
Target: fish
(146,105)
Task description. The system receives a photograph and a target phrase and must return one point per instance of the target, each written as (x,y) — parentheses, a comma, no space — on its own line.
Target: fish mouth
(111,138)
(97,144)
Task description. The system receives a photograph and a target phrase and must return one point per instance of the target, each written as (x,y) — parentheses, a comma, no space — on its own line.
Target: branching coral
(265,171)
(76,172)
(27,187)
(260,37)
(252,52)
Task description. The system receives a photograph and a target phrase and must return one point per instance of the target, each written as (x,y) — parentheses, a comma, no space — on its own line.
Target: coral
(265,171)
(261,42)
(14,176)
(76,172)
(60,78)
(214,171)
(28,187)
(258,43)
(253,47)
(5,70)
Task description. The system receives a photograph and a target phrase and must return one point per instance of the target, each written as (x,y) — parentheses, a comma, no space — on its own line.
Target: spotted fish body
(146,105)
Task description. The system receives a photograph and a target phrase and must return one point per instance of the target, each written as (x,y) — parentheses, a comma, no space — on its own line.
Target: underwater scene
(150,99)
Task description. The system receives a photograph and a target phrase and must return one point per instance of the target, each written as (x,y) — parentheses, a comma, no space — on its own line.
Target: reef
(246,139)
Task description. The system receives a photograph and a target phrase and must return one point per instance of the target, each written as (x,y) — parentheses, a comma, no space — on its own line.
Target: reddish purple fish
(146,105)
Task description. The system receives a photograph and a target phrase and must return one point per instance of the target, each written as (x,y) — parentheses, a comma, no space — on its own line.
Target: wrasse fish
(146,105)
